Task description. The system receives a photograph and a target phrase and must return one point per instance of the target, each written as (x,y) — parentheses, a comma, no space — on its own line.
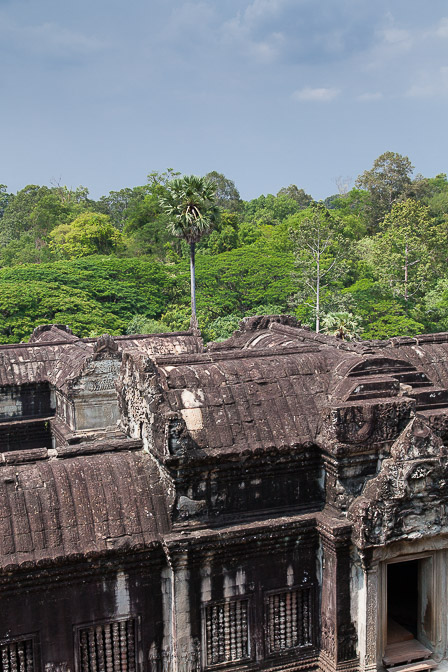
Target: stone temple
(278,501)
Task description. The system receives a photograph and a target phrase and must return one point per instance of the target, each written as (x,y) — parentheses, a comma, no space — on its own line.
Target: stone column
(338,637)
(369,620)
(181,651)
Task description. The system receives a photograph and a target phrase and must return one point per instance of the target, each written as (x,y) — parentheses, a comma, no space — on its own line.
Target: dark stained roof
(425,353)
(78,506)
(267,387)
(269,398)
(55,355)
(270,384)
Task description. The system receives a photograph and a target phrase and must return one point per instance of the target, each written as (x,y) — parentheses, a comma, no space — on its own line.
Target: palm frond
(191,207)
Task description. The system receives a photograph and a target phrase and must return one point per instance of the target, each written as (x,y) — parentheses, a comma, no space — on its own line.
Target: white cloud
(50,38)
(241,31)
(430,85)
(320,95)
(442,28)
(263,52)
(370,97)
(260,10)
(244,23)
(392,44)
(313,32)
(397,37)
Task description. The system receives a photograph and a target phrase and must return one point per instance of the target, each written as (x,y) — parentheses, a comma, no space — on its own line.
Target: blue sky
(268,92)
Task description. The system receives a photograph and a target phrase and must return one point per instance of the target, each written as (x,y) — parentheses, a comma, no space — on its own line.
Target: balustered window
(289,619)
(17,656)
(226,632)
(109,647)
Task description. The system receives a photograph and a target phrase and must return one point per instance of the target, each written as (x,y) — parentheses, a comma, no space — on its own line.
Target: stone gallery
(277,501)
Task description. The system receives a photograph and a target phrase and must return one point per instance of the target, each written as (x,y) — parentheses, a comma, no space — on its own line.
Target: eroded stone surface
(179,508)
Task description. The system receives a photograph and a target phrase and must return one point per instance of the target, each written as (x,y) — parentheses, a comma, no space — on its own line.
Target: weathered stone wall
(53,609)
(227,606)
(25,401)
(234,488)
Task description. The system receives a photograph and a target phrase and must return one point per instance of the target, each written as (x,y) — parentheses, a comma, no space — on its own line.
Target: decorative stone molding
(408,499)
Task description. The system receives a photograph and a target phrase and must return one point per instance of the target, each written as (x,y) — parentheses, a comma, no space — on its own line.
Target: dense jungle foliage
(370,261)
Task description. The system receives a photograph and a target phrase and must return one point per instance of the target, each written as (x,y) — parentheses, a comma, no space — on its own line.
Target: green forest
(370,261)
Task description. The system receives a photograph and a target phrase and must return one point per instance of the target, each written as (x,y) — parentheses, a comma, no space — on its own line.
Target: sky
(269,92)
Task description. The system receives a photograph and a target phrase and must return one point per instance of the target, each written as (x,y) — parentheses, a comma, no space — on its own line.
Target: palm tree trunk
(194,320)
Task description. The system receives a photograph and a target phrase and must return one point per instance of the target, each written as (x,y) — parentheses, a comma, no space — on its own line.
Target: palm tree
(190,203)
(343,325)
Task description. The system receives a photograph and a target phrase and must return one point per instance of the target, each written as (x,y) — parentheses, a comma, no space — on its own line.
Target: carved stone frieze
(347,640)
(184,658)
(350,426)
(409,496)
(328,636)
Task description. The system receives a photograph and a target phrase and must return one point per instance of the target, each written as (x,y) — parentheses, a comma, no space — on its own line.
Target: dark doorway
(402,600)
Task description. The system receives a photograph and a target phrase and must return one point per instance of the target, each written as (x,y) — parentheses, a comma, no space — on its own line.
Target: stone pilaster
(338,634)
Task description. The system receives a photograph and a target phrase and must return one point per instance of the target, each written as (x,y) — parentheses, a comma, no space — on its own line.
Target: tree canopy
(379,257)
(388,180)
(89,233)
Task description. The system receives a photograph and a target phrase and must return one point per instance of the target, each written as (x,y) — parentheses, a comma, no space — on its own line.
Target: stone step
(421,666)
(405,652)
(374,387)
(434,397)
(413,378)
(382,370)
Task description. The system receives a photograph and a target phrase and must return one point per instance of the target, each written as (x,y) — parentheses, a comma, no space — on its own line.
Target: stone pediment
(99,371)
(408,498)
(106,348)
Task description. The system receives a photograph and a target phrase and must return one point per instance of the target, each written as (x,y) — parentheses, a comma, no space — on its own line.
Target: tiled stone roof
(269,398)
(80,506)
(55,355)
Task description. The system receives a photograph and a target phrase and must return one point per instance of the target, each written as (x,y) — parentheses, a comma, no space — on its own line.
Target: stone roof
(271,383)
(428,352)
(55,355)
(53,508)
(268,387)
(266,398)
(263,388)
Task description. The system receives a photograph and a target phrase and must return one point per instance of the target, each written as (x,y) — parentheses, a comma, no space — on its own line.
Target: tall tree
(37,210)
(401,254)
(270,210)
(190,203)
(118,203)
(4,198)
(299,195)
(318,253)
(143,220)
(227,195)
(387,181)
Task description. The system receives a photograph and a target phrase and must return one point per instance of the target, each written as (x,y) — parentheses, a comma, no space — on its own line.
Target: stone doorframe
(372,600)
